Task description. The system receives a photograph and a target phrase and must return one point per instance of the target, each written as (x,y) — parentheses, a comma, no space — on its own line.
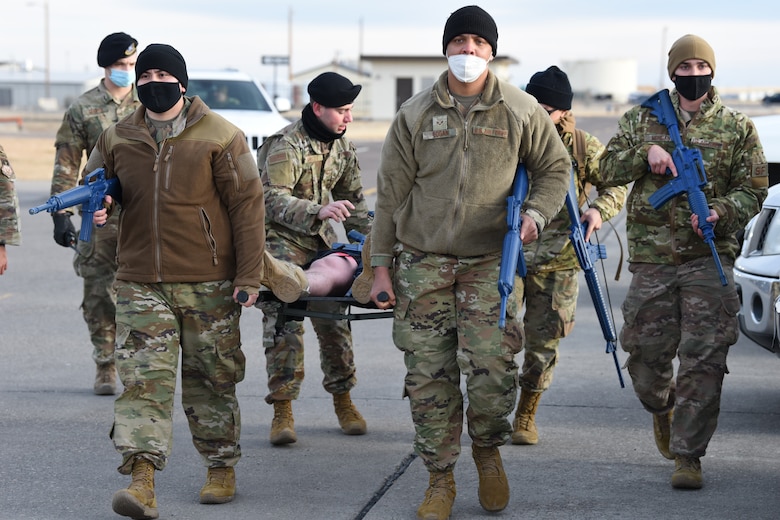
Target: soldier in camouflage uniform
(676,304)
(311,175)
(10,231)
(447,167)
(191,237)
(95,261)
(551,284)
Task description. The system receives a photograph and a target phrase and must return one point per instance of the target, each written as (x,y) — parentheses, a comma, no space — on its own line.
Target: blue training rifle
(587,255)
(512,259)
(691,177)
(89,195)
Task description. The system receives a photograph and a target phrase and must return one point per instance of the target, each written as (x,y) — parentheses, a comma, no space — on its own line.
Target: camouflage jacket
(300,175)
(736,169)
(553,251)
(444,179)
(10,230)
(83,122)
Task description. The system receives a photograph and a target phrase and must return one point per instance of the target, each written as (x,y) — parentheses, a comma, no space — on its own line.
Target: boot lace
(348,415)
(523,422)
(690,464)
(218,476)
(438,488)
(488,462)
(345,410)
(282,414)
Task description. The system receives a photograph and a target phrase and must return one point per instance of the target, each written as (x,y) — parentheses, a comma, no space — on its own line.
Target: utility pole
(47,59)
(289,44)
(360,45)
(663,71)
(46,53)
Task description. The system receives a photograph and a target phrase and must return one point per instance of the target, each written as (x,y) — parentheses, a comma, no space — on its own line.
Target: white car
(240,99)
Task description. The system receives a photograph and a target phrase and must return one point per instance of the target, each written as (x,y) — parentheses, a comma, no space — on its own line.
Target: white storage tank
(613,79)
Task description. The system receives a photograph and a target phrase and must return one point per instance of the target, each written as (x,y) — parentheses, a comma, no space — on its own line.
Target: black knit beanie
(551,87)
(114,47)
(330,89)
(163,57)
(471,19)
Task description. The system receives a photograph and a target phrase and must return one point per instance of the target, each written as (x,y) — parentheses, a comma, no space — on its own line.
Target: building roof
(379,58)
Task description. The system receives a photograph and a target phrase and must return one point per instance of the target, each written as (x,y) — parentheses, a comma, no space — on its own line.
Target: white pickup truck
(241,100)
(757,269)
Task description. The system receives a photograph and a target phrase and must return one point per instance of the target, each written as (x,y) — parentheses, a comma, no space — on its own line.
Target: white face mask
(467,67)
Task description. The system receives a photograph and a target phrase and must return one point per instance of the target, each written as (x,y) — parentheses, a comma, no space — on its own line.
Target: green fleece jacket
(443,179)
(193,210)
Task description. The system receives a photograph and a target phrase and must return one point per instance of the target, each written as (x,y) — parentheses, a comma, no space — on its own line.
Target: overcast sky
(236,33)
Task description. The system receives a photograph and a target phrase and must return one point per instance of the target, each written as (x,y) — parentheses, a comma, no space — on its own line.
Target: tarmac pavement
(596,458)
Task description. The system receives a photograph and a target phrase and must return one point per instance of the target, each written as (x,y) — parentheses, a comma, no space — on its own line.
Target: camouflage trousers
(446,323)
(95,263)
(680,311)
(284,348)
(155,322)
(550,302)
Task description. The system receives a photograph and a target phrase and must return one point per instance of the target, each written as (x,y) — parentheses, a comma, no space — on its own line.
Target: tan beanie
(688,47)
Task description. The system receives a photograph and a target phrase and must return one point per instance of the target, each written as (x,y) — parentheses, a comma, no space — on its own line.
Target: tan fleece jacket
(443,179)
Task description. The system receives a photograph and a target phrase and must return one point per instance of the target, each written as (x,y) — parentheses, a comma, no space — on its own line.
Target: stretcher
(299,309)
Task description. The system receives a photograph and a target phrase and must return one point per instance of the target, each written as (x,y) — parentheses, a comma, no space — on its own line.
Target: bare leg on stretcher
(331,275)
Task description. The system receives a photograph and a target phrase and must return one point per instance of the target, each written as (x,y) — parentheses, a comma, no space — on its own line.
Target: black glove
(64,232)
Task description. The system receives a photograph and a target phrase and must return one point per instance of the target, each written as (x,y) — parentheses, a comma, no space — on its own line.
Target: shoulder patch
(277,157)
(7,171)
(759,170)
(247,167)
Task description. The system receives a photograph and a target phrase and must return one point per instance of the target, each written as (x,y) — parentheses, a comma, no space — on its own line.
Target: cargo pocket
(231,367)
(628,335)
(513,336)
(728,324)
(401,318)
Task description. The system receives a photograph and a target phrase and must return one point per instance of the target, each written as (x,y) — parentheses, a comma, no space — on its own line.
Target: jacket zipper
(234,172)
(210,240)
(156,216)
(461,179)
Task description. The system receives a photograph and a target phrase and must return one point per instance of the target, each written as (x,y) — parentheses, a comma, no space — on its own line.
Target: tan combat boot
(439,496)
(662,430)
(286,280)
(493,484)
(220,486)
(283,424)
(105,379)
(350,420)
(138,500)
(687,472)
(361,287)
(524,425)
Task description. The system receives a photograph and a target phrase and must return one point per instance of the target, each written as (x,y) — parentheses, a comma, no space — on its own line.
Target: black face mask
(692,87)
(159,96)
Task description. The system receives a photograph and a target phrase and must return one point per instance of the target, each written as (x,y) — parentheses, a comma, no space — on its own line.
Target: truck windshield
(228,94)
